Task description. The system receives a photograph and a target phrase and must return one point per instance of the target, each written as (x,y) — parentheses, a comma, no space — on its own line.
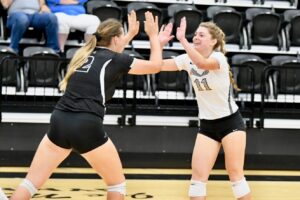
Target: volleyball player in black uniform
(76,122)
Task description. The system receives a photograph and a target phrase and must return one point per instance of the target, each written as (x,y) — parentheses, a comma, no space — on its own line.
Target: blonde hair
(105,32)
(216,33)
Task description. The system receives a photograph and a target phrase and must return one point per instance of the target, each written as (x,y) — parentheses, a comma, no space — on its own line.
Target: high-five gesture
(165,34)
(155,59)
(180,33)
(133,27)
(151,24)
(133,24)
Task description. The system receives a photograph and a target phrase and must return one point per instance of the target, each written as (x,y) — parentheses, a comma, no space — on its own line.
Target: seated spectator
(71,14)
(30,13)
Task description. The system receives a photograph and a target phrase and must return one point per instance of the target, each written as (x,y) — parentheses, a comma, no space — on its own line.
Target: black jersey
(94,82)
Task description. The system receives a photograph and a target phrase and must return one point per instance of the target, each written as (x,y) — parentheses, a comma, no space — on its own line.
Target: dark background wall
(157,146)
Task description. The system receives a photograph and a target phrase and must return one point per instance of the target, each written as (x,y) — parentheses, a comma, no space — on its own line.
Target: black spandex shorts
(217,129)
(81,132)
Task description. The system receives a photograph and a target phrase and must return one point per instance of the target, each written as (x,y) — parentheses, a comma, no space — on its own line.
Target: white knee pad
(2,195)
(240,188)
(197,189)
(29,186)
(121,188)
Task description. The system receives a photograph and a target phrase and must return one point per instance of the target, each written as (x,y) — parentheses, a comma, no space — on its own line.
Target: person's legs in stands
(47,22)
(18,23)
(63,28)
(80,23)
(84,22)
(62,38)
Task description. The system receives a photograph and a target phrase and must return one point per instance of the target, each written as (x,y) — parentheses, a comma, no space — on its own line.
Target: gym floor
(155,184)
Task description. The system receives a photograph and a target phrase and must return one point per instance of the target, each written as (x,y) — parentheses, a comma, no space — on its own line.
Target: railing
(283,99)
(136,96)
(30,83)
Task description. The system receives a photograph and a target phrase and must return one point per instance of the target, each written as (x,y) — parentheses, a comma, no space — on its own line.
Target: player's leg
(105,160)
(46,159)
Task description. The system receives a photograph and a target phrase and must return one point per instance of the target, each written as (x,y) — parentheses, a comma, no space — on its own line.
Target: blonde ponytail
(232,81)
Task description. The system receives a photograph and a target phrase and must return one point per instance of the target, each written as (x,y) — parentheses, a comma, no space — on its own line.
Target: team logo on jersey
(87,65)
(195,73)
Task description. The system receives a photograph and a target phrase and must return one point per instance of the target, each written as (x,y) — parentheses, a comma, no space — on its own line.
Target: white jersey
(212,87)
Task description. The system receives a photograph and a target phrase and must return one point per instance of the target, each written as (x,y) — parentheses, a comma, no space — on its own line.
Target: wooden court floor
(155,184)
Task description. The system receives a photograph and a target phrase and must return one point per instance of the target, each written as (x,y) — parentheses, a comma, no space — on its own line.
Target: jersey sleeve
(182,62)
(221,58)
(124,62)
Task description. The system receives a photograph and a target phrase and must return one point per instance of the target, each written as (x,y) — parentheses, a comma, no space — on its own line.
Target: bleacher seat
(263,27)
(43,69)
(287,77)
(140,8)
(104,9)
(256,63)
(292,31)
(171,81)
(230,21)
(193,17)
(10,69)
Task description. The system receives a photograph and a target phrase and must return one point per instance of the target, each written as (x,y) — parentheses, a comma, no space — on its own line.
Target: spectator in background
(30,13)
(71,14)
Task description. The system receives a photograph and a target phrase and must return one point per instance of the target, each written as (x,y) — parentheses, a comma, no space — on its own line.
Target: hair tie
(98,37)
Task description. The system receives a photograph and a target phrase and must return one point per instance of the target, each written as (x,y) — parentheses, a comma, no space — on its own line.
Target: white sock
(2,195)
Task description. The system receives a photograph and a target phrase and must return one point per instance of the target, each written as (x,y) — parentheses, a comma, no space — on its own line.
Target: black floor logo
(54,193)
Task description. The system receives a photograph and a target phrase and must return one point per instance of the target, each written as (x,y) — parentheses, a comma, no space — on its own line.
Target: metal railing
(137,95)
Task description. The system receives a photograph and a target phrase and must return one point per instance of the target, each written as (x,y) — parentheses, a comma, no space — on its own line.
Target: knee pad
(197,189)
(2,195)
(240,188)
(121,188)
(29,186)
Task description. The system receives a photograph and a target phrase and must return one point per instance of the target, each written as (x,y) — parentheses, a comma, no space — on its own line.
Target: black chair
(287,74)
(292,31)
(243,77)
(135,82)
(104,9)
(171,81)
(193,17)
(140,8)
(10,69)
(230,21)
(263,27)
(42,69)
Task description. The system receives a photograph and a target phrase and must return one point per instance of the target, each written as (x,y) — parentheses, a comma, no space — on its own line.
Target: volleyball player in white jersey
(221,123)
(77,120)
